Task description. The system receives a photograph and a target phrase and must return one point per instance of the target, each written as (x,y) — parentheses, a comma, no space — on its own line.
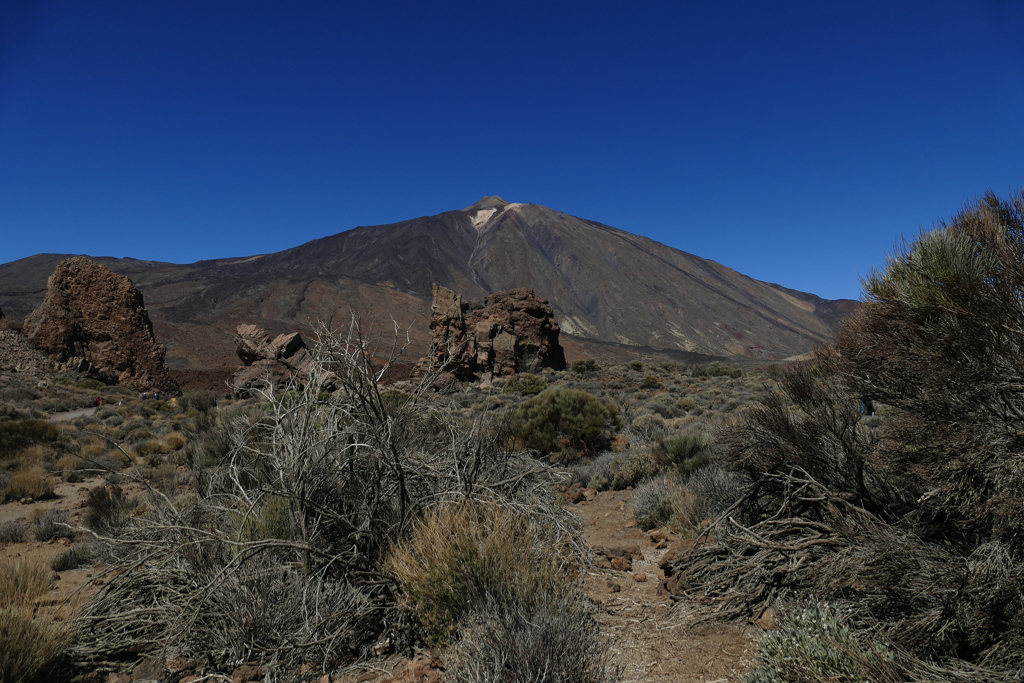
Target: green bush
(636,365)
(687,451)
(563,419)
(583,366)
(16,435)
(525,384)
(720,370)
(650,382)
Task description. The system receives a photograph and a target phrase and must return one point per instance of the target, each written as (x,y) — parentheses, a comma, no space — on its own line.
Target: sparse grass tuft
(32,643)
(29,482)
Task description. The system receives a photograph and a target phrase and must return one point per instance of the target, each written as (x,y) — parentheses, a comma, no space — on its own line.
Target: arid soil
(652,637)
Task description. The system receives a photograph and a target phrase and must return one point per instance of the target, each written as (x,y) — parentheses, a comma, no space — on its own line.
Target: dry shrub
(107,510)
(32,643)
(665,501)
(29,482)
(542,638)
(172,441)
(51,524)
(460,555)
(92,447)
(22,582)
(339,471)
(69,463)
(616,471)
(648,427)
(12,532)
(72,558)
(916,532)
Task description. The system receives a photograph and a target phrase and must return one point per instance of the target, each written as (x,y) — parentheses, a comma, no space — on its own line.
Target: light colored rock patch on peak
(481,217)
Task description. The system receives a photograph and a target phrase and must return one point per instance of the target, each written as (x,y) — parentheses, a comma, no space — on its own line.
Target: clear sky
(793,141)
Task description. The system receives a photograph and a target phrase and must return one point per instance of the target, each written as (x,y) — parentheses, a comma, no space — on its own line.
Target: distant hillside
(613,292)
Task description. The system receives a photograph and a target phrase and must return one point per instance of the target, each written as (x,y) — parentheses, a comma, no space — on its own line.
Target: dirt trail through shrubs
(651,636)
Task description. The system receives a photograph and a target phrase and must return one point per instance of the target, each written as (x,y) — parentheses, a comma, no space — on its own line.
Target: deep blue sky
(793,141)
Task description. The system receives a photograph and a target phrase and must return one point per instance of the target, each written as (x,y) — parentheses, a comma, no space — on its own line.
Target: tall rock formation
(93,320)
(507,332)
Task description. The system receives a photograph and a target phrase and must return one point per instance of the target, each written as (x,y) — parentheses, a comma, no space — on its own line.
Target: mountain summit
(609,288)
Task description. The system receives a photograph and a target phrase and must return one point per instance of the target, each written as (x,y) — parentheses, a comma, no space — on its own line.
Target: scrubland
(313,530)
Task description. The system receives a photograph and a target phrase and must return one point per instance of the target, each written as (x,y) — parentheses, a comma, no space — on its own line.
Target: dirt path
(652,639)
(71,414)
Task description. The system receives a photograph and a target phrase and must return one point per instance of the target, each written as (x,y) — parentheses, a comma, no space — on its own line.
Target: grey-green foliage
(543,639)
(648,427)
(657,501)
(812,643)
(616,471)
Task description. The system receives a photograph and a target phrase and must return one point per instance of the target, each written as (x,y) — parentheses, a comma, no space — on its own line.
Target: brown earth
(614,294)
(653,637)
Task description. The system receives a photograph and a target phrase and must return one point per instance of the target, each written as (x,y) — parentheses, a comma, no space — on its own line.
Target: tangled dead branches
(924,598)
(279,557)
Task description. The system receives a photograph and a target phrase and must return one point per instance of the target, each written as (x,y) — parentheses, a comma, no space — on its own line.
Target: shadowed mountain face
(606,286)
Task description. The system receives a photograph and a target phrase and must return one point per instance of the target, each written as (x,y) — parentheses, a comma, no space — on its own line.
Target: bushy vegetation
(524,384)
(615,471)
(560,420)
(912,524)
(281,555)
(812,643)
(461,556)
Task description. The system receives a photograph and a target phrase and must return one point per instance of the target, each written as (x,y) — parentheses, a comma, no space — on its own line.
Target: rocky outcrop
(18,356)
(506,333)
(268,361)
(95,321)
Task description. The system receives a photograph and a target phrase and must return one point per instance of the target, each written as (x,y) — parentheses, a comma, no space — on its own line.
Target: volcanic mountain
(613,292)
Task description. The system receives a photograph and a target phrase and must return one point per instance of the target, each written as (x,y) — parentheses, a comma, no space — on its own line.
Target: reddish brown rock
(619,559)
(93,320)
(506,333)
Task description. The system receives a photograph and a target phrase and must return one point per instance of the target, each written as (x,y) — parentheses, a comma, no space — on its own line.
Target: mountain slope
(607,286)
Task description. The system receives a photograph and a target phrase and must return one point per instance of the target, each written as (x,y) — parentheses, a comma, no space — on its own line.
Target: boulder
(506,333)
(265,360)
(93,320)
